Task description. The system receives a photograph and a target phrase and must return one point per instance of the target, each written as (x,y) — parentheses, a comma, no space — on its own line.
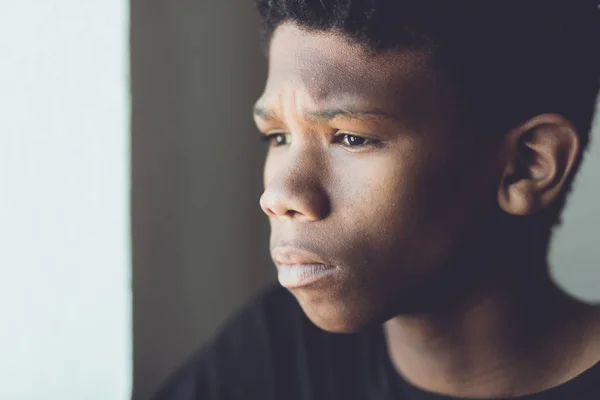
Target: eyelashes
(278,139)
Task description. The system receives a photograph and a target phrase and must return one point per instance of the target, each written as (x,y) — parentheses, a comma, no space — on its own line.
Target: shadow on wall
(200,241)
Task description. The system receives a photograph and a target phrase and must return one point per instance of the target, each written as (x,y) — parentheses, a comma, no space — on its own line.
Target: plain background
(200,241)
(65,290)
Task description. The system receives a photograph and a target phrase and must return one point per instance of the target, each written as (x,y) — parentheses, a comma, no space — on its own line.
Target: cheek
(373,193)
(404,207)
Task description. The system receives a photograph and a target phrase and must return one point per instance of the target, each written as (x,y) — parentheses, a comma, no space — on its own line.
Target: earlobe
(517,199)
(539,157)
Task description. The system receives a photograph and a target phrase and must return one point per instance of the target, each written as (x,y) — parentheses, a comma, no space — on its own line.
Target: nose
(295,194)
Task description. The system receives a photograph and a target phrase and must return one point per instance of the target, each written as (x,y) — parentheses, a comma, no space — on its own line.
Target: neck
(508,338)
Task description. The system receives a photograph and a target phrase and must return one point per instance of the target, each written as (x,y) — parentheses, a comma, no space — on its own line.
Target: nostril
(291,213)
(279,212)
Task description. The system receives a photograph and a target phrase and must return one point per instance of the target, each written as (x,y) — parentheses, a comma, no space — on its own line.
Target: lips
(292,256)
(299,268)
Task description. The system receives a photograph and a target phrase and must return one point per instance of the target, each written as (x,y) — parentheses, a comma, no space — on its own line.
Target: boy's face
(376,172)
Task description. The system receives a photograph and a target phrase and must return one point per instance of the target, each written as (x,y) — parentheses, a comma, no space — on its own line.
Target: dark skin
(376,170)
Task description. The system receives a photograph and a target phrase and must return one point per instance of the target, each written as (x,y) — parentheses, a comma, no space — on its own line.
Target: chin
(334,314)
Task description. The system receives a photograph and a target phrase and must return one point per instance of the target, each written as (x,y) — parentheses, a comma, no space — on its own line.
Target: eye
(276,139)
(353,140)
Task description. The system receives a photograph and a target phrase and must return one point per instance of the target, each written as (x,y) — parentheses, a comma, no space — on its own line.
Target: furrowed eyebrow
(349,113)
(329,114)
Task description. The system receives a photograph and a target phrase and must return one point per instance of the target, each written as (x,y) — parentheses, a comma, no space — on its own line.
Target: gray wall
(575,254)
(200,241)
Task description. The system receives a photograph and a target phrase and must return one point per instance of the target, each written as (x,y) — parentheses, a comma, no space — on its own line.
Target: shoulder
(240,361)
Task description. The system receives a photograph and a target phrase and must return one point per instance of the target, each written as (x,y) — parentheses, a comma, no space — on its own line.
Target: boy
(420,153)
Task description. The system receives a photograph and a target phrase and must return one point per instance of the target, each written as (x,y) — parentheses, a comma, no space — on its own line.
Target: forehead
(326,65)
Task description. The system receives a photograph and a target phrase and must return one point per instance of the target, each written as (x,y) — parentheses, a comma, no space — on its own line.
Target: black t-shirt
(271,351)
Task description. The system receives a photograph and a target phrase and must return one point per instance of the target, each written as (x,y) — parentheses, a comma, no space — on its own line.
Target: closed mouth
(299,268)
(300,275)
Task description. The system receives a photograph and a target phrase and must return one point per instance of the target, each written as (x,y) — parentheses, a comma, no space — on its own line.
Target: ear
(539,159)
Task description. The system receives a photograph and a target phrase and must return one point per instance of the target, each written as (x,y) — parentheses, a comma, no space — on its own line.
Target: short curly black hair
(513,59)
